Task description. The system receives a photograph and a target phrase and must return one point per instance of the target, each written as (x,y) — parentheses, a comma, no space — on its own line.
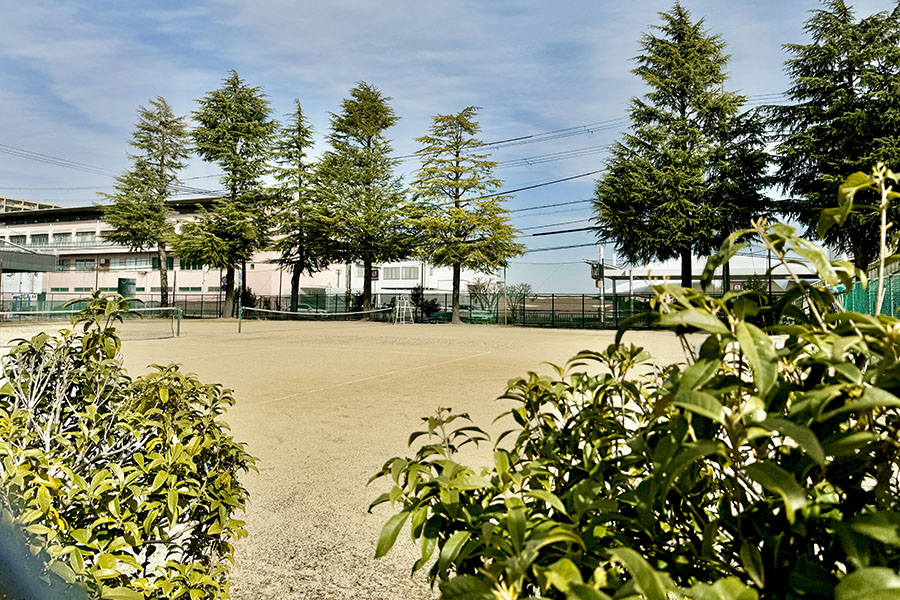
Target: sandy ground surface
(322,406)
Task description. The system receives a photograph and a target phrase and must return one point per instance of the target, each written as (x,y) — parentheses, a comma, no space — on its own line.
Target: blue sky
(74,73)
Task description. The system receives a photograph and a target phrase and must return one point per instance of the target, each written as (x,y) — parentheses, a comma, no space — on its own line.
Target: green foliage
(460,215)
(693,169)
(138,212)
(126,487)
(234,130)
(425,307)
(765,466)
(356,180)
(844,117)
(302,222)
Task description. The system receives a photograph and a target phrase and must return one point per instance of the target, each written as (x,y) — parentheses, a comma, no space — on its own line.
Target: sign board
(737,286)
(374,274)
(596,271)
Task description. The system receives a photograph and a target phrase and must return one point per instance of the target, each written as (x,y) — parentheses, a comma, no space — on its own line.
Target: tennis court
(323,405)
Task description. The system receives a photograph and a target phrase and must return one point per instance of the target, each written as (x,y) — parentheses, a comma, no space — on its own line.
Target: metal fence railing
(862,300)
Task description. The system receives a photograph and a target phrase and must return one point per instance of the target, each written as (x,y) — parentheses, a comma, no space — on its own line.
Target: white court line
(355,381)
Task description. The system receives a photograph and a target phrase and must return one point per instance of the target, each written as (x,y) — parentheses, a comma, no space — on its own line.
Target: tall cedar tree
(356,179)
(844,117)
(234,130)
(463,222)
(693,167)
(138,213)
(303,225)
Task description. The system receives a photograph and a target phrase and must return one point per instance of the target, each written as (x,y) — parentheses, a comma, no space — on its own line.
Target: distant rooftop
(16,205)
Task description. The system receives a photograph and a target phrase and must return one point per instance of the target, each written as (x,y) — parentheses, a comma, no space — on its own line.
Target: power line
(553,224)
(564,231)
(529,161)
(551,205)
(531,250)
(537,185)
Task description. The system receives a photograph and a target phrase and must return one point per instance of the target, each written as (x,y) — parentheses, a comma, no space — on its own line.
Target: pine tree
(234,130)
(356,180)
(844,117)
(461,218)
(138,213)
(303,225)
(692,169)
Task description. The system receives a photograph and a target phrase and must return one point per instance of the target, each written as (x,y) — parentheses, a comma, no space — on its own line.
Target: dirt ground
(322,406)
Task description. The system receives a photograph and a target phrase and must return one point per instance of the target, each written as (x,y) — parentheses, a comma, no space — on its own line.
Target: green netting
(862,300)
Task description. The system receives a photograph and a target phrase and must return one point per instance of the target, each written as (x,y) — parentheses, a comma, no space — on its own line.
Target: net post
(240,315)
(177,322)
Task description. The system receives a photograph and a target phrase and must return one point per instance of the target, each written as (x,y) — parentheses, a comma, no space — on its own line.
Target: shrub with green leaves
(765,466)
(126,488)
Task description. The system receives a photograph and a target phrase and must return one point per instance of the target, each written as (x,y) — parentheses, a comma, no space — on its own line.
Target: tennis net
(137,323)
(265,314)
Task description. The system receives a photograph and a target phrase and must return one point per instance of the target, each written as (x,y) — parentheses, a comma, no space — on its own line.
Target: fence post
(582,311)
(552,310)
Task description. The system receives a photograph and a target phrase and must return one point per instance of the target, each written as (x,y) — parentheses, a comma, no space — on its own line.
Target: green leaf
(760,353)
(775,479)
(729,588)
(753,563)
(702,403)
(451,549)
(872,397)
(691,317)
(871,583)
(881,526)
(121,593)
(647,580)
(579,591)
(548,497)
(466,587)
(804,436)
(561,574)
(389,533)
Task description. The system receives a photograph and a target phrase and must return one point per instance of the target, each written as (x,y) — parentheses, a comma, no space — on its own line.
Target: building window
(109,289)
(360,271)
(17,239)
(116,264)
(213,288)
(64,264)
(190,289)
(85,237)
(410,272)
(134,263)
(104,235)
(84,264)
(186,265)
(139,289)
(156,288)
(83,289)
(40,239)
(391,272)
(59,289)
(170,263)
(62,239)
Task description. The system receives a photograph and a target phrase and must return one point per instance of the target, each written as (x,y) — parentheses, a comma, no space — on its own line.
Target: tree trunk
(295,286)
(726,278)
(243,280)
(687,279)
(367,285)
(228,309)
(163,274)
(454,318)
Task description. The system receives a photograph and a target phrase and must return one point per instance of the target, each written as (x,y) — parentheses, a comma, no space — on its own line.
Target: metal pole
(553,310)
(631,291)
(602,292)
(505,298)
